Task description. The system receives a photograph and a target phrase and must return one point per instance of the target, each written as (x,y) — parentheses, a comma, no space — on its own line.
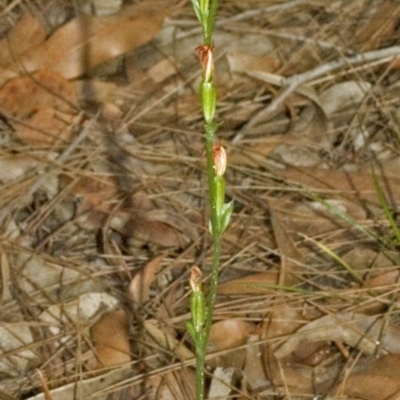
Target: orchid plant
(202,308)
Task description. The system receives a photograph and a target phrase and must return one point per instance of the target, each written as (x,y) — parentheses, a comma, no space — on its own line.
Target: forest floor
(103,199)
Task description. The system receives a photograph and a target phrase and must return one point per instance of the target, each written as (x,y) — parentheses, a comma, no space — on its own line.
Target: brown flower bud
(206,57)
(196,276)
(219,154)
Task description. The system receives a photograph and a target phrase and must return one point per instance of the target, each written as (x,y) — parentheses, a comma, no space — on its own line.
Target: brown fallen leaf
(167,341)
(161,71)
(254,370)
(46,126)
(295,379)
(26,33)
(139,287)
(373,379)
(87,41)
(222,382)
(254,155)
(283,320)
(241,62)
(229,333)
(252,284)
(363,258)
(159,227)
(22,96)
(110,336)
(384,280)
(97,197)
(343,95)
(356,330)
(384,286)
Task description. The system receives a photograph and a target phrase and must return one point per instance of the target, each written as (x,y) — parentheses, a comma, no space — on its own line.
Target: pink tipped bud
(219,154)
(196,276)
(207,61)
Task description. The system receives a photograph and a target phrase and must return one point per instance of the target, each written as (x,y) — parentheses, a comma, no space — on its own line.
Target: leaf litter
(103,200)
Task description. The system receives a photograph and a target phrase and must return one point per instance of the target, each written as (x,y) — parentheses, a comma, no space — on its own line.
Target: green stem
(210,131)
(201,348)
(200,360)
(213,288)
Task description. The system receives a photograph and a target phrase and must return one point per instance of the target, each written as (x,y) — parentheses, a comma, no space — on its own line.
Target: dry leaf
(252,284)
(24,95)
(84,310)
(243,62)
(139,287)
(223,379)
(373,379)
(95,91)
(366,259)
(156,226)
(46,126)
(383,280)
(45,101)
(15,166)
(313,354)
(40,273)
(228,334)
(167,342)
(110,336)
(254,370)
(97,197)
(15,345)
(283,320)
(161,71)
(384,286)
(311,127)
(88,41)
(343,95)
(360,331)
(296,379)
(27,33)
(255,154)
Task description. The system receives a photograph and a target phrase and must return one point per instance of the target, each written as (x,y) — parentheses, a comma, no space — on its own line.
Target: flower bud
(207,61)
(196,276)
(197,301)
(219,155)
